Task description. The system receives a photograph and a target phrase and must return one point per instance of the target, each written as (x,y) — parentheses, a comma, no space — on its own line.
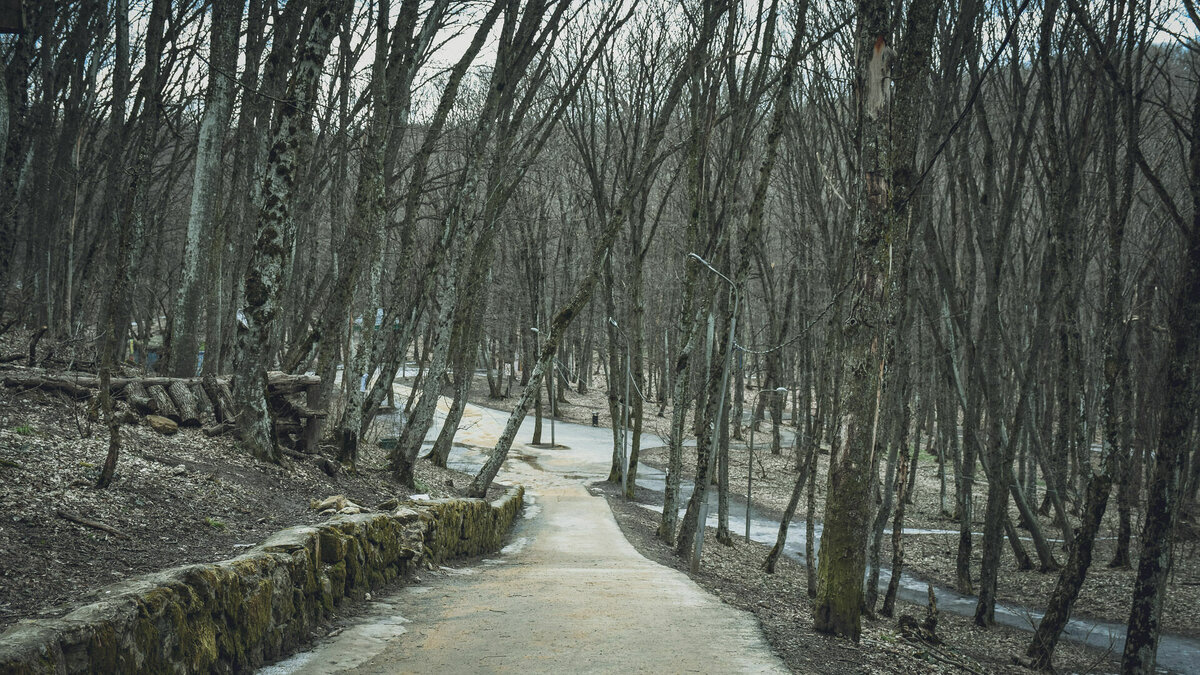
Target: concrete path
(569,594)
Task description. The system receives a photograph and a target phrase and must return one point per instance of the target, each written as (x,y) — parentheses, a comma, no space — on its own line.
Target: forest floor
(187,498)
(175,500)
(1106,594)
(783,608)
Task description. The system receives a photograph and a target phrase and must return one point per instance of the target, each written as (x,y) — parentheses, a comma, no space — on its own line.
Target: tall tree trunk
(637,348)
(842,563)
(226,20)
(1164,494)
(109,345)
(264,274)
(14,131)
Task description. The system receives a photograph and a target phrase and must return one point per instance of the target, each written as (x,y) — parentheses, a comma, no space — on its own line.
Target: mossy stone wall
(237,614)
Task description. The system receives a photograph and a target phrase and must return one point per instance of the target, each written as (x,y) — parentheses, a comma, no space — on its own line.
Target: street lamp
(712,454)
(553,444)
(750,467)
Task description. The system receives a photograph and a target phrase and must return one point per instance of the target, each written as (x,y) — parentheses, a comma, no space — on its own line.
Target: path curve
(570,594)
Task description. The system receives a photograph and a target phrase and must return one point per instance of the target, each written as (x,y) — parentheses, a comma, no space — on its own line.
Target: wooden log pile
(192,401)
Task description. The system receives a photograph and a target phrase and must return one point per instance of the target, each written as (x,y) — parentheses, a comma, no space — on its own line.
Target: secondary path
(569,594)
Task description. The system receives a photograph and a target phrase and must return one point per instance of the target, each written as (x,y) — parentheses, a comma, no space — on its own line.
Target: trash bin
(595,419)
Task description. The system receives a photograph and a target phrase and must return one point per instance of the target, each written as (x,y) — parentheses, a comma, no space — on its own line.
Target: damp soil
(781,604)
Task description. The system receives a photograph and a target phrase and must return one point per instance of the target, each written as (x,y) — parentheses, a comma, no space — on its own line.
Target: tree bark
(264,275)
(226,20)
(842,563)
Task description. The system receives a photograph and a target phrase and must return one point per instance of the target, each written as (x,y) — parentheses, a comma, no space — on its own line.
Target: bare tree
(265,271)
(222,64)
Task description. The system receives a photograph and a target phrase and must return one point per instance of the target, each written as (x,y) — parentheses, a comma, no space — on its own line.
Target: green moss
(154,601)
(337,581)
(256,615)
(145,635)
(250,566)
(198,644)
(333,545)
(375,578)
(353,565)
(327,599)
(102,648)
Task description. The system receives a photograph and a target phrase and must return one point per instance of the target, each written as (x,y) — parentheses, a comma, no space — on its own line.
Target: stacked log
(162,403)
(78,388)
(191,401)
(137,398)
(185,403)
(203,405)
(222,399)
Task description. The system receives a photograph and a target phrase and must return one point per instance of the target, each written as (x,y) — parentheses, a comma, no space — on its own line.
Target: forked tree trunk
(264,275)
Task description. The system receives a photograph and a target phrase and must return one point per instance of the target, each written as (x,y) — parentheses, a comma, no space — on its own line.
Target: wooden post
(312,423)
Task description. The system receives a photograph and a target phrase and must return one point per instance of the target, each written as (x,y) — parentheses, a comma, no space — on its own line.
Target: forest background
(977,223)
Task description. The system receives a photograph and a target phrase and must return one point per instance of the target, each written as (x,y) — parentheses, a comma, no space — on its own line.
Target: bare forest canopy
(976,218)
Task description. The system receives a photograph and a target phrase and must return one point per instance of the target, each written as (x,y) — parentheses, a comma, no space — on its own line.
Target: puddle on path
(357,643)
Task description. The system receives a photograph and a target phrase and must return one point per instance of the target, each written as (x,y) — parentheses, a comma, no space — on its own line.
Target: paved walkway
(569,594)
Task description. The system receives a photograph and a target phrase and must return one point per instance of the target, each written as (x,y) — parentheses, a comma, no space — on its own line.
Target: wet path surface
(569,593)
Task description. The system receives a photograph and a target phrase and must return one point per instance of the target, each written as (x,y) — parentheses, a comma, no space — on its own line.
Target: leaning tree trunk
(405,456)
(790,510)
(468,333)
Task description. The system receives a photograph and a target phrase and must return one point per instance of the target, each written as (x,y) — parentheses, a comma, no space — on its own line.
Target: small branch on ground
(95,525)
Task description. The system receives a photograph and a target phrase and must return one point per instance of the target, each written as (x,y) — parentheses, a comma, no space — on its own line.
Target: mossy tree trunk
(842,563)
(264,275)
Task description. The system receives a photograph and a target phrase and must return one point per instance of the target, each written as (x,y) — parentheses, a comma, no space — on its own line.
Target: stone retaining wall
(237,614)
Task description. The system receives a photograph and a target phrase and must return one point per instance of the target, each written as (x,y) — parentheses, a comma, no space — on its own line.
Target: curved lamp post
(712,454)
